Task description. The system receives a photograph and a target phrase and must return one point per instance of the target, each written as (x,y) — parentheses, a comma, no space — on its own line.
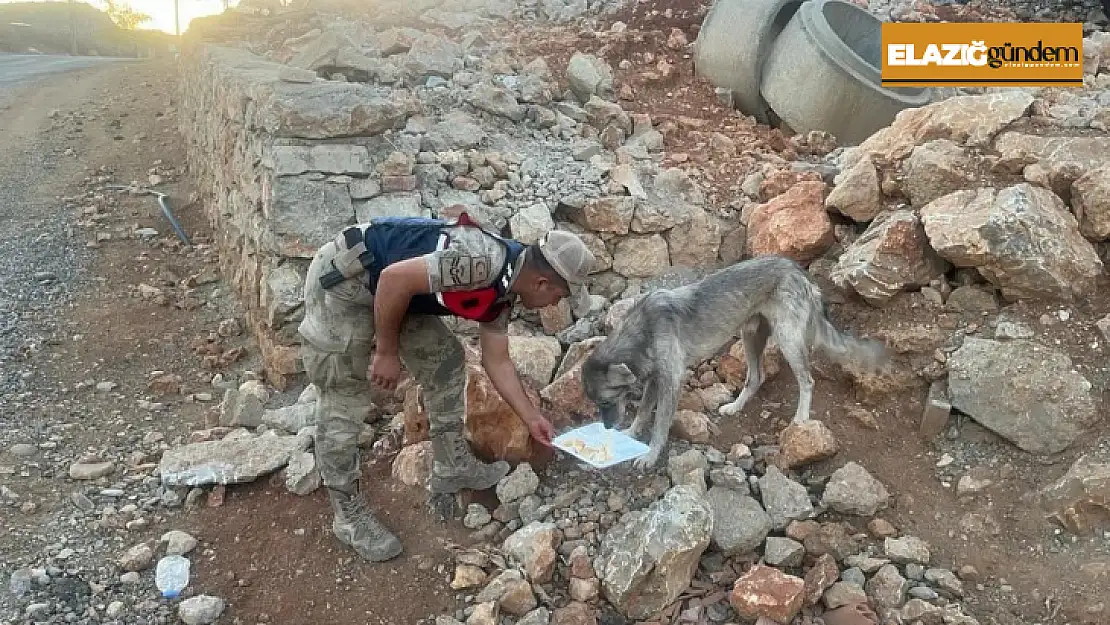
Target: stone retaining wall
(281,167)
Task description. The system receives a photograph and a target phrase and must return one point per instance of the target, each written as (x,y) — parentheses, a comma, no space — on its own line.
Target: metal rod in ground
(163,204)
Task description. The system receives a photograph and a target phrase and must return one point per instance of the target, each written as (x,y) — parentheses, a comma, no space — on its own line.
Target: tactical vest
(389,240)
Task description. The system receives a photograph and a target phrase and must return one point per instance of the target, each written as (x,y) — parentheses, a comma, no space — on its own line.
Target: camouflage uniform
(337,332)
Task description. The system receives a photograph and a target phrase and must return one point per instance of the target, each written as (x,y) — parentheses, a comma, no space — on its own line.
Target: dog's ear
(620,375)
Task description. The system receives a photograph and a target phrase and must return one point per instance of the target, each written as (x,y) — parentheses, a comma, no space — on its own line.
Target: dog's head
(608,385)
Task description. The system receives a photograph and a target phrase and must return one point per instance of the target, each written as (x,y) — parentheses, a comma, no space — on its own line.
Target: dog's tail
(844,348)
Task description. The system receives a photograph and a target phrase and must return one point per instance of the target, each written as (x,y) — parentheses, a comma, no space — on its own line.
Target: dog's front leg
(644,412)
(665,406)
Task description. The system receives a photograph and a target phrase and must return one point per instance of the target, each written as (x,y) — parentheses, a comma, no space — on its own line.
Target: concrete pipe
(732,45)
(824,73)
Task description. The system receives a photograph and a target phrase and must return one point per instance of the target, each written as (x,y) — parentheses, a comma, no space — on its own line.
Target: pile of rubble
(720,538)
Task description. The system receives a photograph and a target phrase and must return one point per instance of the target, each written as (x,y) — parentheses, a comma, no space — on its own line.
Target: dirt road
(17,68)
(105,319)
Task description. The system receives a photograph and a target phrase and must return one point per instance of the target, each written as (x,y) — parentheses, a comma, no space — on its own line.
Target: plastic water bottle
(172,575)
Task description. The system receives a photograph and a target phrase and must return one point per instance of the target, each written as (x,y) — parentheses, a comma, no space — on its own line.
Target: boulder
(806,443)
(232,460)
(794,224)
(935,169)
(1090,197)
(695,243)
(767,593)
(852,490)
(893,255)
(858,194)
(533,546)
(1080,499)
(740,525)
(535,357)
(966,120)
(1027,393)
(1022,239)
(590,76)
(1053,161)
(641,256)
(649,559)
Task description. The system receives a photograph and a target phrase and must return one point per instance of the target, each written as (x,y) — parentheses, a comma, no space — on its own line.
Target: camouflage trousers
(337,333)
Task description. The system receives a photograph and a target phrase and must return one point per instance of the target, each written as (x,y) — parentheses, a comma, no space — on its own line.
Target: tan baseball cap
(571,259)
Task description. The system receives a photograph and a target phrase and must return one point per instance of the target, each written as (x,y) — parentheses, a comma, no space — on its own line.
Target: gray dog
(670,330)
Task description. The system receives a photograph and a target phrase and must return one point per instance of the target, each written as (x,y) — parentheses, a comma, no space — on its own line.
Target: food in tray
(593,453)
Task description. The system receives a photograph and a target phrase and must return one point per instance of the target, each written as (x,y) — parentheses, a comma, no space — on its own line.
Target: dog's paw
(630,432)
(730,409)
(646,461)
(801,419)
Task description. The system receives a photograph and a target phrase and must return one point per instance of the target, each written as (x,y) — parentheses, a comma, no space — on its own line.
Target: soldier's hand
(385,371)
(541,430)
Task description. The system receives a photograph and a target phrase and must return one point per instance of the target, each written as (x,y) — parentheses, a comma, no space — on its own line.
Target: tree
(124,16)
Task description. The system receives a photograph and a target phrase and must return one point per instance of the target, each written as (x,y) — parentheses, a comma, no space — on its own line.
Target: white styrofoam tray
(621,447)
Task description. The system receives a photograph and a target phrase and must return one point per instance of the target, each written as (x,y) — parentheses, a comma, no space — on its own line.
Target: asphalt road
(16,68)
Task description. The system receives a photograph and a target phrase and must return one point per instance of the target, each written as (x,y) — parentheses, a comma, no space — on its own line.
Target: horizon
(160,11)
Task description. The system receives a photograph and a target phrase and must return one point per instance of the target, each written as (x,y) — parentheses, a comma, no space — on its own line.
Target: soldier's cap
(571,259)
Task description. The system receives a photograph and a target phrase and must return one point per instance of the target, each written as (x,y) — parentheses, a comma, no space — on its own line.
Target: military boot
(455,467)
(356,526)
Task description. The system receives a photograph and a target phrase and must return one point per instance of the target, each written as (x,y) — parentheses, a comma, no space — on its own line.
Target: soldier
(391,280)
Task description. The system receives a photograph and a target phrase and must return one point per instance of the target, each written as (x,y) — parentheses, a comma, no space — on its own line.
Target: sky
(162,11)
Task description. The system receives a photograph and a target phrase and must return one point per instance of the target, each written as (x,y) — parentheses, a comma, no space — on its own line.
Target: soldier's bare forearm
(507,382)
(502,372)
(396,286)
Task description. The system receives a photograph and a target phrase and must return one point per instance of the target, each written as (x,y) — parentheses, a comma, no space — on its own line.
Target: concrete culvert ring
(824,73)
(734,40)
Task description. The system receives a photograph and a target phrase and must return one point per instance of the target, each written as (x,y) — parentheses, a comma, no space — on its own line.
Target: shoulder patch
(464,270)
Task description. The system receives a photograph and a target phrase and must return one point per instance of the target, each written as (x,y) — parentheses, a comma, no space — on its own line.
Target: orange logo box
(982,54)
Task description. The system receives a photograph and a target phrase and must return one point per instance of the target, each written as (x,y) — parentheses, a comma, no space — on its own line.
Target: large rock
(784,499)
(329,109)
(1022,239)
(648,560)
(806,443)
(530,224)
(1054,161)
(413,465)
(669,201)
(1027,393)
(641,256)
(935,169)
(740,525)
(697,242)
(565,393)
(612,215)
(891,256)
(533,546)
(852,490)
(967,120)
(535,357)
(857,194)
(794,224)
(1090,197)
(589,76)
(1080,500)
(767,593)
(433,56)
(496,101)
(233,460)
(494,430)
(340,158)
(304,214)
(457,131)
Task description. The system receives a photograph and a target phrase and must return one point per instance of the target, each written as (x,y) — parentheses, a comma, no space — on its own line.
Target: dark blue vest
(393,239)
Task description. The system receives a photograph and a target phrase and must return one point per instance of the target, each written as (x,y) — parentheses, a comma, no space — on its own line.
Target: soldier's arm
(397,285)
(494,342)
